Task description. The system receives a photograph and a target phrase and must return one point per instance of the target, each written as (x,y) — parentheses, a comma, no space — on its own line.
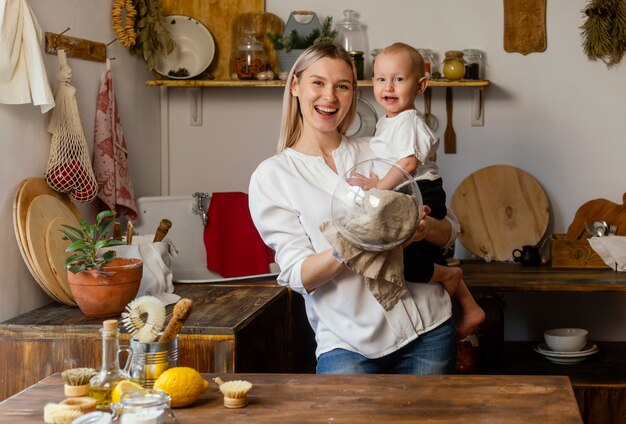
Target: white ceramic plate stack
(566,358)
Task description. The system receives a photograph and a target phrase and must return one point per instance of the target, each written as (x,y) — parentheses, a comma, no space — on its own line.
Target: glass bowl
(373,219)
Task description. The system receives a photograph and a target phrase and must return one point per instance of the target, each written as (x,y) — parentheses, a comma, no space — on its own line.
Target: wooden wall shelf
(278,83)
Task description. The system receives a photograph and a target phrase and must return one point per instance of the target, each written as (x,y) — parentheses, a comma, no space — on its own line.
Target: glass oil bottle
(103,383)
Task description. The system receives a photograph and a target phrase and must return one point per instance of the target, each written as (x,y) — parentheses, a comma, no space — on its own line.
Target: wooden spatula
(449,136)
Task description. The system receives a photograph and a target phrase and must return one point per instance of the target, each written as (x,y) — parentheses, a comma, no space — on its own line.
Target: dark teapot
(528,256)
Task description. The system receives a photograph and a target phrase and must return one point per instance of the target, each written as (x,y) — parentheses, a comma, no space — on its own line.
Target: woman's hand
(423,227)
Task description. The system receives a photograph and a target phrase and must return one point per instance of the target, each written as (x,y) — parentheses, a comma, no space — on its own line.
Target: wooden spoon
(449,136)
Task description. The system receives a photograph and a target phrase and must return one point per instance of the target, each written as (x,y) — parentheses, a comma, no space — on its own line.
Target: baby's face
(396,82)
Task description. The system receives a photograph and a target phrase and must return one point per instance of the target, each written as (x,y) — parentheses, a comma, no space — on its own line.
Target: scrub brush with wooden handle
(182,310)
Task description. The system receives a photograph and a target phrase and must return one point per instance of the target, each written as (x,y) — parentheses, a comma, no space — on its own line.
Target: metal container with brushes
(150,360)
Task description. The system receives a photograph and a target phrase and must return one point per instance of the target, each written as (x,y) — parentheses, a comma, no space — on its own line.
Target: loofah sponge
(53,413)
(144,331)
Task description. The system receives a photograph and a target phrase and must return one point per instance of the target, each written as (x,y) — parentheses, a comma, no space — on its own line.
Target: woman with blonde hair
(290,196)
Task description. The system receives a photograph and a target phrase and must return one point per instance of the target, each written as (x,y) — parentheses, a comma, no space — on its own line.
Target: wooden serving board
(500,208)
(597,210)
(42,210)
(525,26)
(28,190)
(55,249)
(217,16)
(262,23)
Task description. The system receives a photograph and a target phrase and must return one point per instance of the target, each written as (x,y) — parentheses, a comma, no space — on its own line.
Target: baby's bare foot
(468,322)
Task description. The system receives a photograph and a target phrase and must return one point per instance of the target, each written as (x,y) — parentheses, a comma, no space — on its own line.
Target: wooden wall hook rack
(76,47)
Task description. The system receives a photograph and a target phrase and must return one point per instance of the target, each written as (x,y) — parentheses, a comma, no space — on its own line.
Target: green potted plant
(291,44)
(101,283)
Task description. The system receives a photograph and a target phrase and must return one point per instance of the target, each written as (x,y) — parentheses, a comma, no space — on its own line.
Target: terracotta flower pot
(105,293)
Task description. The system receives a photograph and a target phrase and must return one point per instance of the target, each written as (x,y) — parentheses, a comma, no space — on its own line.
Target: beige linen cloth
(612,250)
(23,77)
(384,216)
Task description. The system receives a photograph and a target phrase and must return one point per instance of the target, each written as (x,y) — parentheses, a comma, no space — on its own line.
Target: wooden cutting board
(42,210)
(262,23)
(500,208)
(597,210)
(525,26)
(28,190)
(55,249)
(217,16)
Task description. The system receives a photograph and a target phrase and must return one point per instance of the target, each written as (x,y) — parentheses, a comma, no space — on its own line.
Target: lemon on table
(123,387)
(183,384)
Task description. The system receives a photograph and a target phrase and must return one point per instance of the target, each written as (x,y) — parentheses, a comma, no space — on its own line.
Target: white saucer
(364,124)
(588,349)
(566,358)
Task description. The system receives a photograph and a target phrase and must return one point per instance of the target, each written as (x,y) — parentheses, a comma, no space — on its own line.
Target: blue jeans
(433,352)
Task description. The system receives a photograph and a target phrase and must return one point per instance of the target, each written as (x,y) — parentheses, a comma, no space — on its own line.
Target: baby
(403,137)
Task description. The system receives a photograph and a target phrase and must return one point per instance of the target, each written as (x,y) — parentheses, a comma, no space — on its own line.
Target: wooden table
(513,277)
(310,398)
(253,327)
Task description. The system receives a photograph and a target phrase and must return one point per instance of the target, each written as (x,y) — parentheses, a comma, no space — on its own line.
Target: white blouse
(290,196)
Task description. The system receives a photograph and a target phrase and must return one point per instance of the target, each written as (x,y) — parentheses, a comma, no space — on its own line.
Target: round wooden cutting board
(55,249)
(42,210)
(26,192)
(500,208)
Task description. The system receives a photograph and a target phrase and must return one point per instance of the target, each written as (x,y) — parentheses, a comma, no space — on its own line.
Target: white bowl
(566,339)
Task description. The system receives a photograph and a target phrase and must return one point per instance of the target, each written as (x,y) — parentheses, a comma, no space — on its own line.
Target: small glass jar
(144,406)
(454,65)
(475,64)
(250,58)
(428,56)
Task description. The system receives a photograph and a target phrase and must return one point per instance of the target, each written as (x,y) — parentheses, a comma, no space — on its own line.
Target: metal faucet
(199,208)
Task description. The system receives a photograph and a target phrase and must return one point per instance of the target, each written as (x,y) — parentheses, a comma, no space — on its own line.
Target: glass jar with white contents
(144,406)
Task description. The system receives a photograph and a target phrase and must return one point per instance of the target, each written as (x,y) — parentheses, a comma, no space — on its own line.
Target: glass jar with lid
(475,64)
(454,65)
(250,59)
(144,406)
(351,33)
(428,56)
(352,37)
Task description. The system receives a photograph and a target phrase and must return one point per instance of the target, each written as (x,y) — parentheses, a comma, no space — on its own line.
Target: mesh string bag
(69,167)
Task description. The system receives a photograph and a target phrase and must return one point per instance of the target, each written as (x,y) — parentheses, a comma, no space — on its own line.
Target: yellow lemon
(183,384)
(123,387)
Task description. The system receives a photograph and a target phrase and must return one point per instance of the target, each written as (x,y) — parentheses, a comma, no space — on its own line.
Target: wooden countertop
(310,398)
(506,276)
(217,309)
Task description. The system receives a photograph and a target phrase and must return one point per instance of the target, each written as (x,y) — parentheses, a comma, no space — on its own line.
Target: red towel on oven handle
(234,247)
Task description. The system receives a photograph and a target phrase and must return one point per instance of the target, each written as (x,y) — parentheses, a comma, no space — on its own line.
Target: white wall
(554,114)
(25,143)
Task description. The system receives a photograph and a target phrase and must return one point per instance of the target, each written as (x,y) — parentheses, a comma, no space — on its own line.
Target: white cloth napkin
(612,250)
(157,266)
(23,77)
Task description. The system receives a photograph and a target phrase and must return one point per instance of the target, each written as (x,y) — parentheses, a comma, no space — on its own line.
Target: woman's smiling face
(324,92)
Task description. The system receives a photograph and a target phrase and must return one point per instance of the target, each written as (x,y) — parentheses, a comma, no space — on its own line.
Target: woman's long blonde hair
(291,123)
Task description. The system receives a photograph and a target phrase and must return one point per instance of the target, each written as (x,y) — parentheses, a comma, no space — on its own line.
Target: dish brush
(235,392)
(77,381)
(181,312)
(144,318)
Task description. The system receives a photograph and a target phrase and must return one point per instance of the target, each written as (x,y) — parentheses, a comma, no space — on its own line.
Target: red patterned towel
(109,154)
(234,248)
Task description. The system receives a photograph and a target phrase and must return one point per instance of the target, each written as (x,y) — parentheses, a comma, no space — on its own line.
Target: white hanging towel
(23,77)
